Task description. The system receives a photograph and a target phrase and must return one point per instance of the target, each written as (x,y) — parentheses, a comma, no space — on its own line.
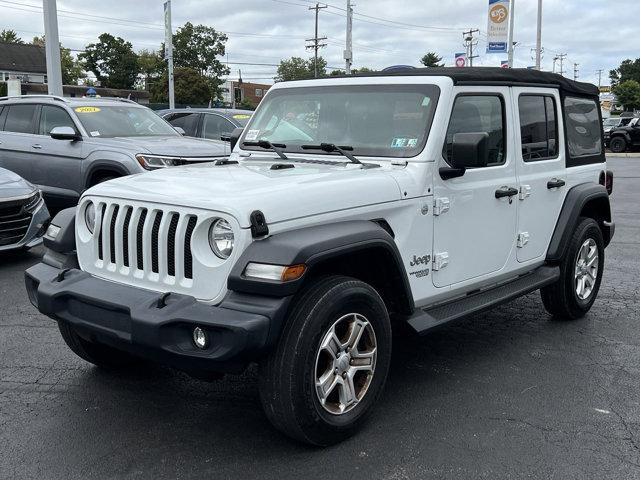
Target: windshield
(122,121)
(611,122)
(376,120)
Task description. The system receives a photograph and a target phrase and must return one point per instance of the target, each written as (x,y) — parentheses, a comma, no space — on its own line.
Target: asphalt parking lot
(508,394)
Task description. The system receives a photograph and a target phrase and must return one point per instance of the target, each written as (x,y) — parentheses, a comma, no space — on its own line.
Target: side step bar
(432,317)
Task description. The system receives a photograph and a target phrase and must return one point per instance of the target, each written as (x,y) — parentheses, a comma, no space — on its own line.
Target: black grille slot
(112,233)
(14,222)
(171,245)
(139,239)
(100,232)
(125,236)
(154,242)
(188,258)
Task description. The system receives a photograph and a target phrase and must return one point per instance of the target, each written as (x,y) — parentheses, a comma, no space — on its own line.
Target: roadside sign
(461,59)
(498,26)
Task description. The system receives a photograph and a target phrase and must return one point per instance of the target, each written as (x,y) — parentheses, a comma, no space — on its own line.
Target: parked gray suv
(66,145)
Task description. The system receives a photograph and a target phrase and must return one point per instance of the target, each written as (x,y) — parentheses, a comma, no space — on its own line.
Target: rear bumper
(240,330)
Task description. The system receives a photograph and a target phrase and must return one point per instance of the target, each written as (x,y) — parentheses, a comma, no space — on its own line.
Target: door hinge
(440,260)
(525,191)
(441,205)
(523,239)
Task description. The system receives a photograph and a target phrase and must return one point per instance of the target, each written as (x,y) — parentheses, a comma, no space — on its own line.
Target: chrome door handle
(37,146)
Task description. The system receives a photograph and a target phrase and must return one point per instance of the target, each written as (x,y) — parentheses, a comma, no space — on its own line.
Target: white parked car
(420,196)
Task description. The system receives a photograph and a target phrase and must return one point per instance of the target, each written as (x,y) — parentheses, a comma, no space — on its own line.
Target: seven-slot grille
(136,240)
(14,221)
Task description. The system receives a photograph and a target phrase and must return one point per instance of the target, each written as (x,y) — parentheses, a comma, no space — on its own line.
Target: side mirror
(235,137)
(64,133)
(469,150)
(180,130)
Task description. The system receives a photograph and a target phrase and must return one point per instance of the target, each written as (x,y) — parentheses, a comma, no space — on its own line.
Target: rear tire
(581,269)
(338,335)
(100,355)
(618,145)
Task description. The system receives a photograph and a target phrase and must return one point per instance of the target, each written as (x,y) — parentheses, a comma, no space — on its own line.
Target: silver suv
(66,145)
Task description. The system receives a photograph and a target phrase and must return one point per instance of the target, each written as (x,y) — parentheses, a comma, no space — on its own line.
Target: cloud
(590,32)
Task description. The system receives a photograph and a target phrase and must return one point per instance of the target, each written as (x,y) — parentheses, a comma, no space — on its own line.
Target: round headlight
(221,238)
(90,216)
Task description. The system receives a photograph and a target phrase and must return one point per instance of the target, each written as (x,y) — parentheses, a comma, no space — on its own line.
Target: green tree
(432,59)
(190,86)
(628,70)
(10,36)
(112,60)
(628,94)
(297,68)
(151,66)
(246,104)
(72,69)
(199,47)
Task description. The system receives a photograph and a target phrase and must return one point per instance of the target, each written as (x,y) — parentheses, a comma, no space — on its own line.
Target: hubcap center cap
(342,363)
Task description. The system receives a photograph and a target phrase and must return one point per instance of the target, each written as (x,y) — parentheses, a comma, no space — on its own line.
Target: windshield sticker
(400,142)
(252,135)
(87,109)
(242,116)
(95,133)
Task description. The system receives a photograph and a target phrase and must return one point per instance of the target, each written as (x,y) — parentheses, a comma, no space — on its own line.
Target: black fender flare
(575,202)
(312,246)
(624,135)
(104,165)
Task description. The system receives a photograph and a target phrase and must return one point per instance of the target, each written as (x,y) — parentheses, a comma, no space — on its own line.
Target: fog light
(200,338)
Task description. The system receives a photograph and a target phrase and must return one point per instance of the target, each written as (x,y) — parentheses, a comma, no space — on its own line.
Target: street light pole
(539,37)
(52,47)
(168,45)
(511,24)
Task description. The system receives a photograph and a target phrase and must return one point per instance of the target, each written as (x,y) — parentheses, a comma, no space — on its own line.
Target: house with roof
(25,62)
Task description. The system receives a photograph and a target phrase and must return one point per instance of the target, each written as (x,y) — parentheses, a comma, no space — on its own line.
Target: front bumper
(137,321)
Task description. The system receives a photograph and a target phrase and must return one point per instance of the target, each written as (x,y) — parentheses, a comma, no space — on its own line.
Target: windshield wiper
(330,148)
(267,145)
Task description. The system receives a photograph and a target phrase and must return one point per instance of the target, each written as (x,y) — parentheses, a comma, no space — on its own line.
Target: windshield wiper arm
(330,148)
(267,145)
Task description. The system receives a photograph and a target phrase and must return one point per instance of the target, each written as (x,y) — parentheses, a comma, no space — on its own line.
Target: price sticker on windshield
(87,109)
(242,116)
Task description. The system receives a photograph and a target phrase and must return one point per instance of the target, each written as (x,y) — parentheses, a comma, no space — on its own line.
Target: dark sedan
(207,123)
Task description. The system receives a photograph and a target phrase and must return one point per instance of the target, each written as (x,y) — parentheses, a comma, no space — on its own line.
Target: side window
(187,121)
(477,114)
(20,118)
(215,126)
(53,117)
(538,127)
(584,132)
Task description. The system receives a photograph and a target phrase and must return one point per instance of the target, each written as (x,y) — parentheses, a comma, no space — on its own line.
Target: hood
(286,194)
(175,146)
(12,185)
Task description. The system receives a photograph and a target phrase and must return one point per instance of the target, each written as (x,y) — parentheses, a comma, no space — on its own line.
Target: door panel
(540,169)
(478,231)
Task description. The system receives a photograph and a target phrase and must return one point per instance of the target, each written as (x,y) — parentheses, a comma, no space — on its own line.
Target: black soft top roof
(497,76)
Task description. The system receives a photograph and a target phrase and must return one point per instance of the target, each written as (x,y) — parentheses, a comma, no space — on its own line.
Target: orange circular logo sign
(498,13)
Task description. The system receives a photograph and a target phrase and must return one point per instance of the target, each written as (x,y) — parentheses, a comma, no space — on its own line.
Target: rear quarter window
(584,131)
(20,118)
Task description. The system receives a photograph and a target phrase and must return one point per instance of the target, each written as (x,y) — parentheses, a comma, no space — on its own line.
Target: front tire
(618,145)
(96,353)
(581,269)
(331,364)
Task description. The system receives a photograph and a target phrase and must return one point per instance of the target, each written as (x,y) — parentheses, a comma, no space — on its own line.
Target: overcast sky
(596,34)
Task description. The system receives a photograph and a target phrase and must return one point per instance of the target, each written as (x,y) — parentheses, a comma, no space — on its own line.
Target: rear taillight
(606,180)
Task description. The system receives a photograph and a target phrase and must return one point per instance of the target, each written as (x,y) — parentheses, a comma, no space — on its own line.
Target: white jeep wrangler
(349,205)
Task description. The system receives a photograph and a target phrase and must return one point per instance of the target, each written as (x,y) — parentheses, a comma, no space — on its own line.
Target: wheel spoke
(355,334)
(347,392)
(325,385)
(592,261)
(363,361)
(332,344)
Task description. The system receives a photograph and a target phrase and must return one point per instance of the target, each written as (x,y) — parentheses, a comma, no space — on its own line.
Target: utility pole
(555,60)
(539,37)
(52,47)
(561,58)
(575,71)
(168,50)
(348,53)
(599,72)
(512,11)
(469,43)
(315,41)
